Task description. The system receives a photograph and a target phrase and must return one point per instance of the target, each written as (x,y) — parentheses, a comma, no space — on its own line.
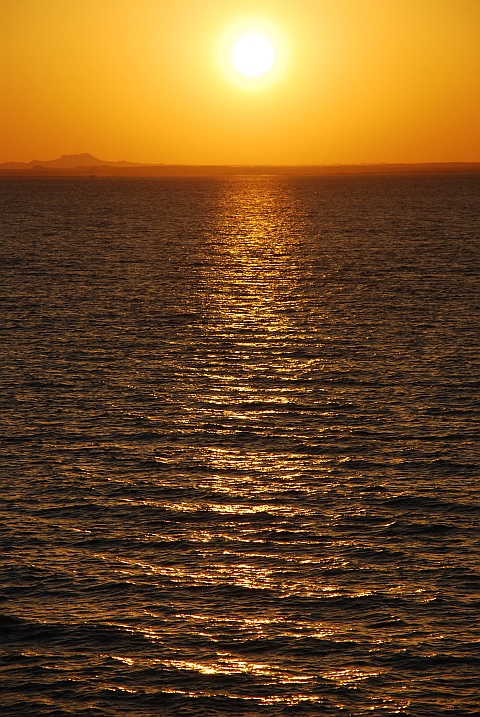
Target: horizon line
(125,164)
(130,169)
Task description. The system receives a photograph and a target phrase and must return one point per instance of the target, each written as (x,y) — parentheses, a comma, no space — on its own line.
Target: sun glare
(253,55)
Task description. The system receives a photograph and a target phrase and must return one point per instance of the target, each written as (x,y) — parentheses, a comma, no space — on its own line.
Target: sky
(353,81)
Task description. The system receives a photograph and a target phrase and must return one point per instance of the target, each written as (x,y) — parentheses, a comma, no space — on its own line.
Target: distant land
(85,165)
(68,161)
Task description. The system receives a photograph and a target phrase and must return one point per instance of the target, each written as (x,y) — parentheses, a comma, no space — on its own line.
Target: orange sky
(146,81)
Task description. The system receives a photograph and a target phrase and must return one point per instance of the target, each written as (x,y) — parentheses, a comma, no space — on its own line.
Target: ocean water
(239,446)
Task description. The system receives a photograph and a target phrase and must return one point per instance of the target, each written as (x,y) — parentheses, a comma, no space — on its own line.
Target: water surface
(239,446)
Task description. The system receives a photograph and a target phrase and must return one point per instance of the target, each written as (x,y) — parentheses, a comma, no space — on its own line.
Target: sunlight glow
(253,55)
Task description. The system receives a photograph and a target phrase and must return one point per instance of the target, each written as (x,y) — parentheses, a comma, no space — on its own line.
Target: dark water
(239,446)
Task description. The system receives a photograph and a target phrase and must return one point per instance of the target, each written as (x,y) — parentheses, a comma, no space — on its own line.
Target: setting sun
(253,55)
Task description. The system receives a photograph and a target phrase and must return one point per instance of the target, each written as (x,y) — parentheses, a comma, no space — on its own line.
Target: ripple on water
(240,446)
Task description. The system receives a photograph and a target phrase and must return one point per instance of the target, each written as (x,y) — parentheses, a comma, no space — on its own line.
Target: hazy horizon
(86,161)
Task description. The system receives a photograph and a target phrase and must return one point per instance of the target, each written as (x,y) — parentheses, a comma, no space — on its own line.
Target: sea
(240,446)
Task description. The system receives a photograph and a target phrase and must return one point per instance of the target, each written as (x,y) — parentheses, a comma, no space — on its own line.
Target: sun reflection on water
(233,466)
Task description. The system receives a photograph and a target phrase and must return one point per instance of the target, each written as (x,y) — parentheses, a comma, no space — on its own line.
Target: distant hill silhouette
(86,165)
(69,161)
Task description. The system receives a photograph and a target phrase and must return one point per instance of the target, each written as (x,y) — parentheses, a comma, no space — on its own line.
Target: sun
(253,55)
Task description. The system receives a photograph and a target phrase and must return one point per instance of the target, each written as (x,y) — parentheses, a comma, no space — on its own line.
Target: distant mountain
(85,165)
(69,161)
